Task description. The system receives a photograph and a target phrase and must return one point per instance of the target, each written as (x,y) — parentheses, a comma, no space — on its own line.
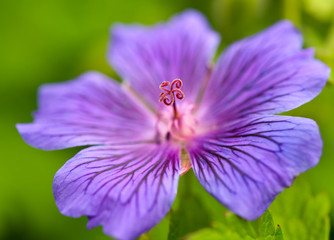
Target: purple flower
(241,152)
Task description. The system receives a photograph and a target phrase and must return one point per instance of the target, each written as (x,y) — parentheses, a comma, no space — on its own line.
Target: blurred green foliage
(56,40)
(301,215)
(235,228)
(296,214)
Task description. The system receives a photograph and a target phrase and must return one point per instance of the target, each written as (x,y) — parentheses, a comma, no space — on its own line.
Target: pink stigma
(168,96)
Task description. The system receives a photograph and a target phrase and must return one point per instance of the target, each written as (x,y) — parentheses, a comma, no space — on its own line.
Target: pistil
(176,114)
(168,95)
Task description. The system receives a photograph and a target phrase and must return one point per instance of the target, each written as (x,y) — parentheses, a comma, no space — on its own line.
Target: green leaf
(278,233)
(301,215)
(236,228)
(295,215)
(267,226)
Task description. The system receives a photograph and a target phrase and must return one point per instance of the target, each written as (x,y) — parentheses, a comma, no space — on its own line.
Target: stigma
(168,95)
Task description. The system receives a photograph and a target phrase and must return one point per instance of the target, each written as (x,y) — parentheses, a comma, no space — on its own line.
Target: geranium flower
(174,101)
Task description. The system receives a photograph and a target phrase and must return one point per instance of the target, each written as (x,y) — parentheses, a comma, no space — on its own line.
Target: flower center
(176,123)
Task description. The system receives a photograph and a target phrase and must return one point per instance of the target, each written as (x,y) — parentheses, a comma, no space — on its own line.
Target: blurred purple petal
(245,165)
(92,109)
(127,189)
(267,73)
(181,48)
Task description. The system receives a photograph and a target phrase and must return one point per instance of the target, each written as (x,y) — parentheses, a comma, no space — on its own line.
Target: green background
(56,40)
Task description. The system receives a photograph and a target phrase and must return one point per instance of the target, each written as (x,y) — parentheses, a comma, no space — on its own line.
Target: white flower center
(177,128)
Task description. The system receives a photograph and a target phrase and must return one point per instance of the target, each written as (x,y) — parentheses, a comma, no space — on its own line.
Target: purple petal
(248,163)
(126,189)
(90,110)
(267,73)
(181,48)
